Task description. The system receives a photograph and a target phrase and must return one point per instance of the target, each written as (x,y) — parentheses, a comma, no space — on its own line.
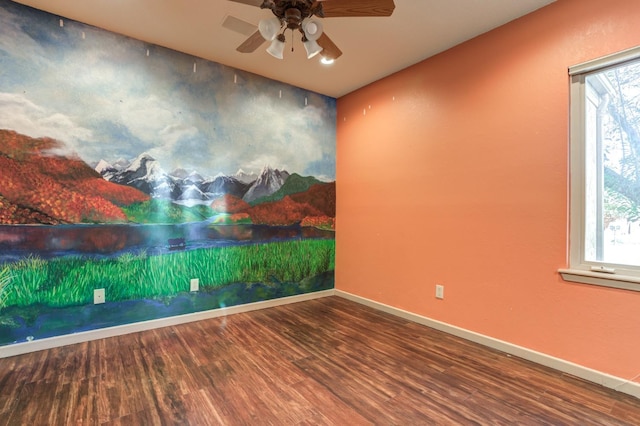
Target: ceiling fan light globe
(312,48)
(312,29)
(269,28)
(276,49)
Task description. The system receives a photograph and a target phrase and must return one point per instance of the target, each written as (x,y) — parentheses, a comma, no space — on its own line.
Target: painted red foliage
(238,217)
(229,204)
(120,195)
(12,214)
(314,207)
(282,212)
(319,222)
(321,196)
(40,185)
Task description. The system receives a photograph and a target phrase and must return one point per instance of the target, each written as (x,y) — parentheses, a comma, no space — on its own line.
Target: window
(605,172)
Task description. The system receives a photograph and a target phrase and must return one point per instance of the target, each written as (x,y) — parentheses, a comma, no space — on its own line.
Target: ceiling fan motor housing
(292,12)
(293,18)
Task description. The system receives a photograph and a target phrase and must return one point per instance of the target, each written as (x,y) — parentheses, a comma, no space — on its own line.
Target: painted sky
(109,97)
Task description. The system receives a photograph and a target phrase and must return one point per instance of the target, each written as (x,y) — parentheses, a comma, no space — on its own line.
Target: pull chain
(292,40)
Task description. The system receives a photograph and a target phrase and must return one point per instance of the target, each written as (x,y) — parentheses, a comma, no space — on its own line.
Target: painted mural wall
(134,169)
(473,145)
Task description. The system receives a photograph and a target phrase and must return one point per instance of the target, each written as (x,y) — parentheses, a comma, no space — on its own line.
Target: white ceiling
(372,47)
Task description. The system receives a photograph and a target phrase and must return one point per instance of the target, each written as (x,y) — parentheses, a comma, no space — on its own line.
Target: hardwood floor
(327,361)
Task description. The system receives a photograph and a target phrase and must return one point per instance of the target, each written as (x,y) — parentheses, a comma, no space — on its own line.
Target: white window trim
(596,273)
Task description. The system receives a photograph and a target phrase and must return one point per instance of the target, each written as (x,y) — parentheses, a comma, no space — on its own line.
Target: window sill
(625,282)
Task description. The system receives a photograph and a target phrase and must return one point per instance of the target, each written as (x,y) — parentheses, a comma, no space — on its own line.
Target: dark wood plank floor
(326,361)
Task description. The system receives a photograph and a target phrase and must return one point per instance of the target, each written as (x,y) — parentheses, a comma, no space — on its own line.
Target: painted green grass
(71,281)
(5,282)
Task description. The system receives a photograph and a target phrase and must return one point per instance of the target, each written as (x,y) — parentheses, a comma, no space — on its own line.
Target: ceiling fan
(300,15)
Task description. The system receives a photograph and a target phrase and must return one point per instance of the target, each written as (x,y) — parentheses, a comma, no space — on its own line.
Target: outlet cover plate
(195,284)
(98,296)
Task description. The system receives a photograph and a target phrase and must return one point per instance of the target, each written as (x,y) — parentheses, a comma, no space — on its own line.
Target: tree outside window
(612,165)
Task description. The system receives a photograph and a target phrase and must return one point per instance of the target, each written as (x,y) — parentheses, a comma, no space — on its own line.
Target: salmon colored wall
(455,172)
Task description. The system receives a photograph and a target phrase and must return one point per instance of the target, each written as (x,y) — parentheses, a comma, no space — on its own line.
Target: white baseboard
(619,384)
(85,336)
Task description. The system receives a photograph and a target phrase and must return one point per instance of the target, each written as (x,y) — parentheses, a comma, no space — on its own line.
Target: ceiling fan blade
(329,49)
(341,8)
(256,3)
(252,43)
(238,25)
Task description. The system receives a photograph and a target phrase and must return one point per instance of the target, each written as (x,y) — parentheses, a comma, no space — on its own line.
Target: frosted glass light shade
(312,47)
(276,49)
(312,29)
(269,28)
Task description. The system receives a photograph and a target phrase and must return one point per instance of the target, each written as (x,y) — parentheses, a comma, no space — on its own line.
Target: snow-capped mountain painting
(269,181)
(146,174)
(245,177)
(143,173)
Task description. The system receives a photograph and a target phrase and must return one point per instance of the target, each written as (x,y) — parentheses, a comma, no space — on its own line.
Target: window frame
(580,270)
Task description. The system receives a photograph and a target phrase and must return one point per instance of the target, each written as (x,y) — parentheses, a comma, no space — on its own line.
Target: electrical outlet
(98,296)
(439,291)
(195,284)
